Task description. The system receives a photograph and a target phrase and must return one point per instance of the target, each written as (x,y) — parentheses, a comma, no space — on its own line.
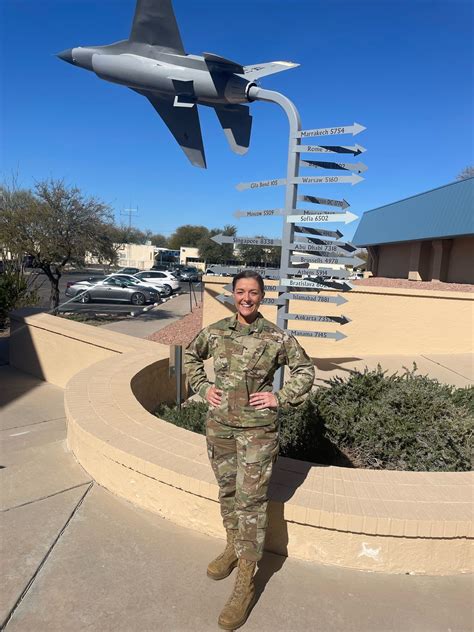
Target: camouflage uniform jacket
(245,360)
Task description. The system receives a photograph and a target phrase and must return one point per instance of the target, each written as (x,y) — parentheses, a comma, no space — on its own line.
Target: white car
(166,282)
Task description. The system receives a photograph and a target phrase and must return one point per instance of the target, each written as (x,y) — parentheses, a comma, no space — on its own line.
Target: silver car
(115,289)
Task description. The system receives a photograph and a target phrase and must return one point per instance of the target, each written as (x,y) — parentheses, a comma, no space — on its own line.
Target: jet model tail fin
(154,23)
(262,70)
(237,124)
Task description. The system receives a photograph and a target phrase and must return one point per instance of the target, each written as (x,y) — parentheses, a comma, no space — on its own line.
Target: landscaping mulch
(415,285)
(182,331)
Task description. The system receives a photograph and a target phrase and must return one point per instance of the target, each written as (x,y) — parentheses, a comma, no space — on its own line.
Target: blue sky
(402,68)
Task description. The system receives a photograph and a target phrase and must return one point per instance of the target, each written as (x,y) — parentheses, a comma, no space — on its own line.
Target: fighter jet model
(153,63)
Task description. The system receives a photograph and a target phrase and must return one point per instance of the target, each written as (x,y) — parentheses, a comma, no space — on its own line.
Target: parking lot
(40,282)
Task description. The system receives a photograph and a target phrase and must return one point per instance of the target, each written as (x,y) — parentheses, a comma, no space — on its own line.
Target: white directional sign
(316,298)
(271,212)
(319,271)
(319,200)
(318,231)
(261,184)
(355,150)
(254,241)
(320,251)
(317,334)
(359,167)
(347,261)
(332,131)
(352,179)
(304,283)
(342,320)
(326,218)
(327,244)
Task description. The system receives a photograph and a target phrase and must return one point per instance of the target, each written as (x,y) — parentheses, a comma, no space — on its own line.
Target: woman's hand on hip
(214,396)
(263,400)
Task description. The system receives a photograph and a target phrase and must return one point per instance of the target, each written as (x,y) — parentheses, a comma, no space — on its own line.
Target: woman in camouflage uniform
(242,426)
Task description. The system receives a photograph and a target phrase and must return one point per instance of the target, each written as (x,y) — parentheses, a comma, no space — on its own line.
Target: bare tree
(55,224)
(467,172)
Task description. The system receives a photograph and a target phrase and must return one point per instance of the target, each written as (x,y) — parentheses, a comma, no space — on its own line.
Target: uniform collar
(256,326)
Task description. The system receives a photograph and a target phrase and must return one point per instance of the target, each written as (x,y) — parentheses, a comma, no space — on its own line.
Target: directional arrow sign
(317,298)
(317,334)
(318,231)
(331,131)
(321,251)
(320,272)
(273,212)
(342,320)
(302,284)
(330,149)
(326,243)
(359,167)
(352,179)
(255,241)
(307,283)
(318,200)
(261,184)
(347,261)
(327,218)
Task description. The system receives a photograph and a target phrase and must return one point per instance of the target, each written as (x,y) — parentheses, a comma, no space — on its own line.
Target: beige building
(189,256)
(427,237)
(131,256)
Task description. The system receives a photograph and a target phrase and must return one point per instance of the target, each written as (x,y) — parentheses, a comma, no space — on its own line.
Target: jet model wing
(237,124)
(183,123)
(154,23)
(262,70)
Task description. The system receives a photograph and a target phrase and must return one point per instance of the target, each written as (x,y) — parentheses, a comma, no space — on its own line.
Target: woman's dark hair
(249,274)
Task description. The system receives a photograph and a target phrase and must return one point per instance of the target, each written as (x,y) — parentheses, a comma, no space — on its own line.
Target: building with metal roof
(429,236)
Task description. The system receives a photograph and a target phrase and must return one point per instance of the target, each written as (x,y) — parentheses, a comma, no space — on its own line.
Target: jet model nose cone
(66,55)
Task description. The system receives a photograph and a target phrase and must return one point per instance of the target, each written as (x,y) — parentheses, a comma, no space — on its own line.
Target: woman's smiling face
(247,299)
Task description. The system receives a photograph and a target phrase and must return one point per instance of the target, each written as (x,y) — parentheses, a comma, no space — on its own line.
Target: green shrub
(403,422)
(192,416)
(369,419)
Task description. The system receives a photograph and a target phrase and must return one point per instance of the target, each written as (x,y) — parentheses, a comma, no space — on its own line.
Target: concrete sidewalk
(77,558)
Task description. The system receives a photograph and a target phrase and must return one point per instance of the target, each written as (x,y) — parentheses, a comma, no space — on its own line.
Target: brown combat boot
(240,602)
(224,563)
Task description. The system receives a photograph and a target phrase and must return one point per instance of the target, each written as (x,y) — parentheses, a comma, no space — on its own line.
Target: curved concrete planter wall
(372,520)
(387,521)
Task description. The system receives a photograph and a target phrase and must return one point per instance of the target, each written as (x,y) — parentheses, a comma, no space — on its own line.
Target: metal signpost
(324,247)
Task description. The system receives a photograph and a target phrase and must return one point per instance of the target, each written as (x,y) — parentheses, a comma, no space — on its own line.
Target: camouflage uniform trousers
(242,460)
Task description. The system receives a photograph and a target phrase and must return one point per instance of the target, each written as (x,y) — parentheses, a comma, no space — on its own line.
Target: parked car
(190,274)
(128,271)
(165,281)
(114,289)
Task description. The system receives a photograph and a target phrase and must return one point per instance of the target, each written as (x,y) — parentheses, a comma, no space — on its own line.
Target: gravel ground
(182,331)
(415,285)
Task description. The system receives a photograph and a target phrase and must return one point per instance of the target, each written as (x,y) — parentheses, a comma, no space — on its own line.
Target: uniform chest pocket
(263,357)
